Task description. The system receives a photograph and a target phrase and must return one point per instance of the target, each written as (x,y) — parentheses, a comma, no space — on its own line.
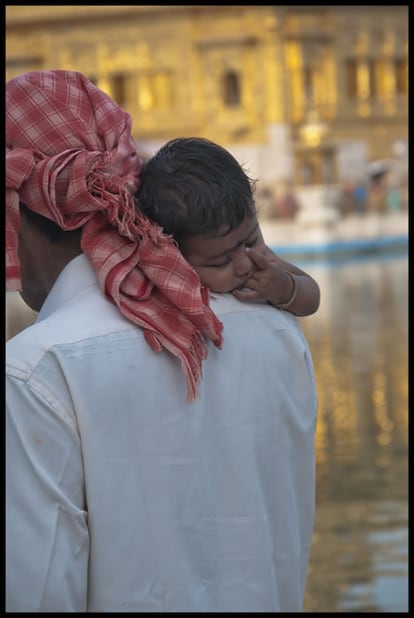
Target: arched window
(118,84)
(352,78)
(401,75)
(231,88)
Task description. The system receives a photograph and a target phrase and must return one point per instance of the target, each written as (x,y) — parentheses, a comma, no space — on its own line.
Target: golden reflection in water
(359,343)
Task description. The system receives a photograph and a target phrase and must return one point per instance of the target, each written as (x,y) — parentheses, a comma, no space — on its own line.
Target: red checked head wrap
(70,157)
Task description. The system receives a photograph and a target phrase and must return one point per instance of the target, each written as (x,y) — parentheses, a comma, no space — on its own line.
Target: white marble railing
(310,231)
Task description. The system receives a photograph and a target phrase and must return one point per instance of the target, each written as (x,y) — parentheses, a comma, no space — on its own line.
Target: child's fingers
(245,294)
(258,259)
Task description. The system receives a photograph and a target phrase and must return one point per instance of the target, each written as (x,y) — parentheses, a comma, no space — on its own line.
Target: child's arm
(282,284)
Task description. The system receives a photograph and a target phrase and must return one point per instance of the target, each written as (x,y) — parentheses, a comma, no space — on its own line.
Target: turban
(71,158)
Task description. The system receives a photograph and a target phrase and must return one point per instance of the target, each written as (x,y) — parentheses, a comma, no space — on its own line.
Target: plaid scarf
(70,157)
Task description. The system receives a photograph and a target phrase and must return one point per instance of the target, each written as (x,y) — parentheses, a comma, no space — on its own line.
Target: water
(359,342)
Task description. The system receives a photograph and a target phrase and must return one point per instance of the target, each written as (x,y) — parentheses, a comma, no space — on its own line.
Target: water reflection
(359,341)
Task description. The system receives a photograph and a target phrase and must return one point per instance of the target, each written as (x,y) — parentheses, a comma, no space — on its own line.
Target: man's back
(156,505)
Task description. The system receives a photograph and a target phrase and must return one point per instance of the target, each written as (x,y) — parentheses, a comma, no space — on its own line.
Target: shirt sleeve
(47,539)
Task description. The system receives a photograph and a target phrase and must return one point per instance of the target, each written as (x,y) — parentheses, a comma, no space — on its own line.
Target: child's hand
(269,281)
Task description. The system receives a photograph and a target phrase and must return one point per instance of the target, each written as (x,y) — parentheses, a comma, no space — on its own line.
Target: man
(121,495)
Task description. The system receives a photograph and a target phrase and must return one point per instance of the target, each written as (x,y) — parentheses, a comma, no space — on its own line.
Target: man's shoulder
(256,322)
(84,322)
(227,304)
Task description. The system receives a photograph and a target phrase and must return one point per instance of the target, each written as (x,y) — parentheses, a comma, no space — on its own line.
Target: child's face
(221,261)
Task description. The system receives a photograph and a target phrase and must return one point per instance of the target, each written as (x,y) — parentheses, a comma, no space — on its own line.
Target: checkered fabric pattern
(70,157)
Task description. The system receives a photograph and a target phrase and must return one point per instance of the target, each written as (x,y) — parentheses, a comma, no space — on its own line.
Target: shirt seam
(36,387)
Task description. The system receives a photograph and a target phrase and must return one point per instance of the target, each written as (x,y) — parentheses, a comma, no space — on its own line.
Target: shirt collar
(77,275)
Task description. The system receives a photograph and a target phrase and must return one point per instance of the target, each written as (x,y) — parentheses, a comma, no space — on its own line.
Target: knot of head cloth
(70,157)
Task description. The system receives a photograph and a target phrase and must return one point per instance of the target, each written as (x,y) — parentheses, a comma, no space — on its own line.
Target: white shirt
(123,498)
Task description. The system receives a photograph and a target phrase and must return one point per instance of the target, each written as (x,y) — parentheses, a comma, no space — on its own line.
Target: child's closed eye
(221,265)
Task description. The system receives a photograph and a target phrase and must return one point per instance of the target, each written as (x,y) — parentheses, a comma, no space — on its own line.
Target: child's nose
(243,265)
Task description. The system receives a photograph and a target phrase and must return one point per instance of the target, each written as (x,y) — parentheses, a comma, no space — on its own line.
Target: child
(198,193)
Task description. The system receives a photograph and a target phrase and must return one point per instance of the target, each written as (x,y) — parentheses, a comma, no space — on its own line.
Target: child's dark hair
(193,187)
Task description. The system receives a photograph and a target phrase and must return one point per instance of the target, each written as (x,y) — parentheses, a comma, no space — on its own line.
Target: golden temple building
(309,93)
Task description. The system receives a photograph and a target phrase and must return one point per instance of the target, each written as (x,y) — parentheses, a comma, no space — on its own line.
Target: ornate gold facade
(249,77)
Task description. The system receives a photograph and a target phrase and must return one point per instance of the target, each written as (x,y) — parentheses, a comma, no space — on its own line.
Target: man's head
(199,193)
(69,156)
